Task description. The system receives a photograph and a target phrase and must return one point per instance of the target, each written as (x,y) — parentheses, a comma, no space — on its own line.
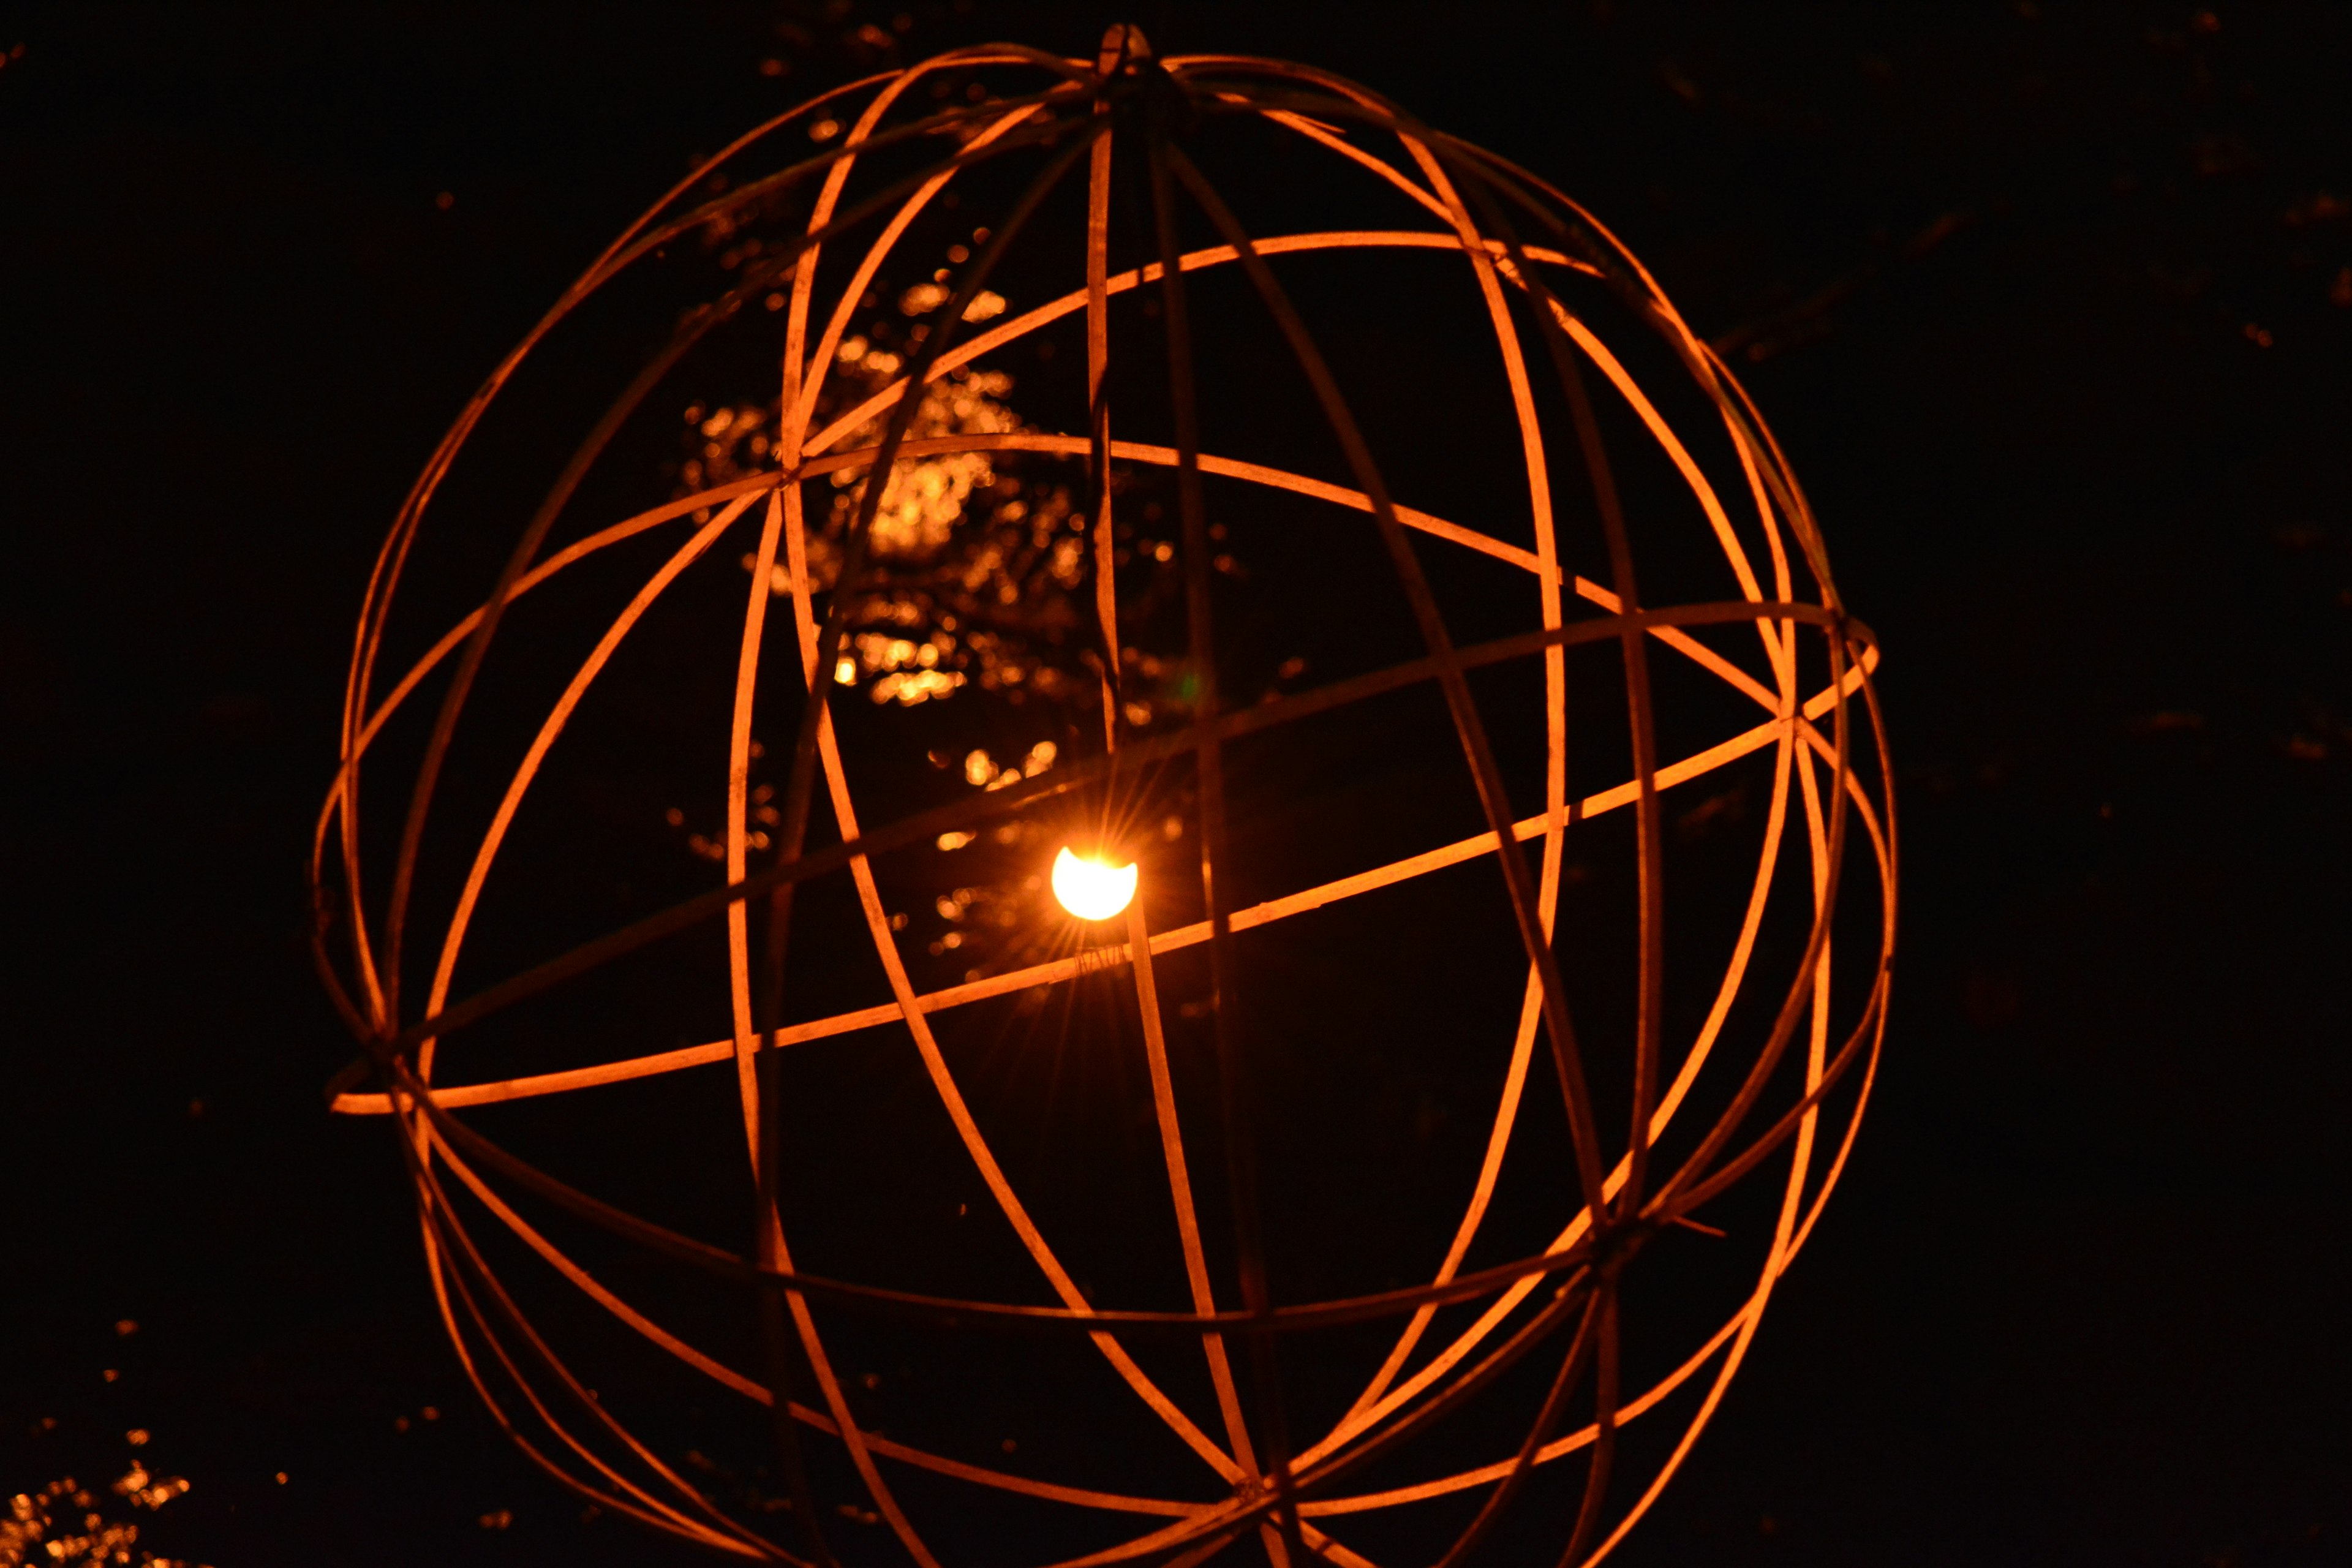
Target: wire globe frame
(1512,232)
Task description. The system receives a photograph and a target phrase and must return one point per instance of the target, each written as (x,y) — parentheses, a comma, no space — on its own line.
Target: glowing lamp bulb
(1091,890)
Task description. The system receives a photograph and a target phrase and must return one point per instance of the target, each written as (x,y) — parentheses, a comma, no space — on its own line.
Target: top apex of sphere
(1123,44)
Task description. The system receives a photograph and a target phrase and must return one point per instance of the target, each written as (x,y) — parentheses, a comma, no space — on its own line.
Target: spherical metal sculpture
(1206,877)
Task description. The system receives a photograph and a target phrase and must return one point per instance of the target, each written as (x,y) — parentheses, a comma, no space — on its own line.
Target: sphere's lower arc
(1665,1388)
(530,1451)
(434,1202)
(735,1381)
(1633,1409)
(1743,1323)
(1824,1195)
(1798,1166)
(1356,1419)
(1494,1316)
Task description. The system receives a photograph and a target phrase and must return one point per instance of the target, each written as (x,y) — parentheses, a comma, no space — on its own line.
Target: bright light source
(1090,889)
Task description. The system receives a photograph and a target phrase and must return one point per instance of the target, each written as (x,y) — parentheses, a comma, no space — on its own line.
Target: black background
(2037,296)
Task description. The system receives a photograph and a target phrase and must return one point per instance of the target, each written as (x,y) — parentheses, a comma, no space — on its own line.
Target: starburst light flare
(1092,889)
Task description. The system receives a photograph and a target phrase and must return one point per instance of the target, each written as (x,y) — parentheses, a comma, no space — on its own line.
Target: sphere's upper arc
(1378,109)
(386,575)
(392,557)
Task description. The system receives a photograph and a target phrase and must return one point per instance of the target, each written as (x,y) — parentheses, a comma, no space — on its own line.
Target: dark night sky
(2082,461)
